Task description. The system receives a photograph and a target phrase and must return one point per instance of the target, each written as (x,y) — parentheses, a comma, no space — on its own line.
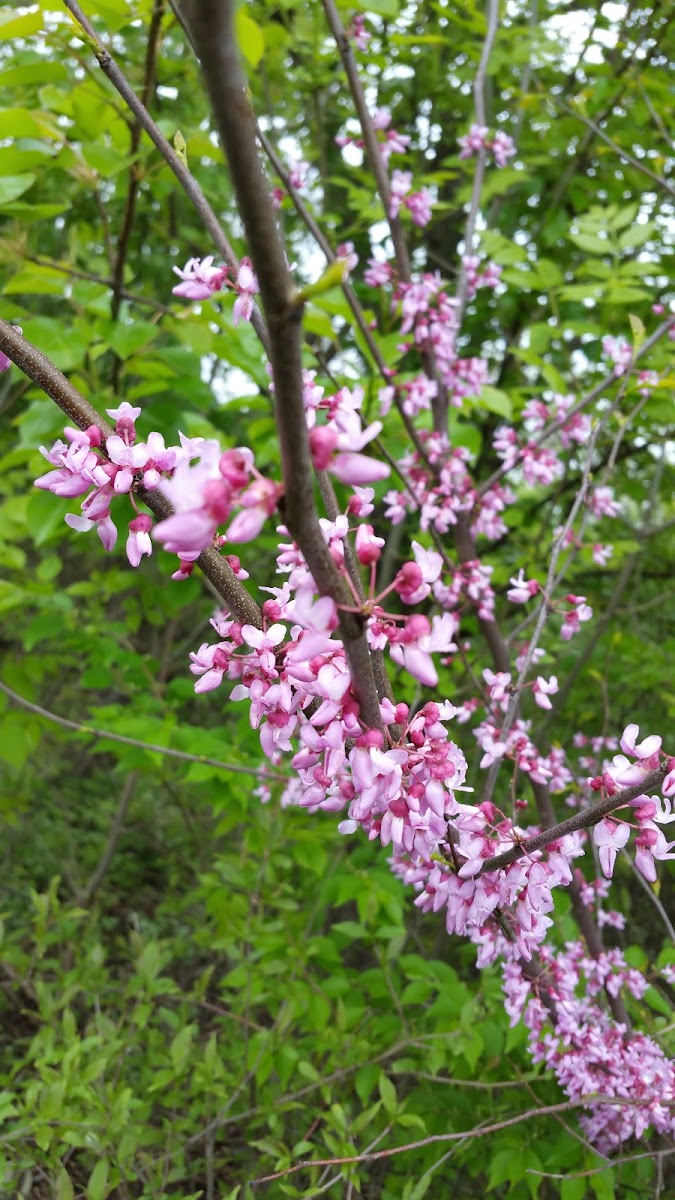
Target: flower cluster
(203,484)
(200,280)
(575,1036)
(418,203)
(501,145)
(390,141)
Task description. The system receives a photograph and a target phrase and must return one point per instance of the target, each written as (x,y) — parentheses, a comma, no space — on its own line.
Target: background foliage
(196,987)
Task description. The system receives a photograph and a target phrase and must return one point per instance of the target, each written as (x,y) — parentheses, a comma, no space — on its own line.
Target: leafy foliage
(198,989)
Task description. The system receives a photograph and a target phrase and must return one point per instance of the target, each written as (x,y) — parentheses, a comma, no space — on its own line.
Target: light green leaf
(638,330)
(387,1094)
(24,25)
(592,243)
(496,401)
(250,38)
(383,8)
(98,1180)
(64,1185)
(636,235)
(13,186)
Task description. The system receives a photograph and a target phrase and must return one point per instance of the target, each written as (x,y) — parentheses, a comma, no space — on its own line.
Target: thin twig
(173,160)
(114,834)
(664,184)
(438,1138)
(581,404)
(106,734)
(581,820)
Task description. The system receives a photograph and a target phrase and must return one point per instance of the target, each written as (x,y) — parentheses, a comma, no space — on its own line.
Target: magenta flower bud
(141,524)
(235,466)
(322,443)
(371,738)
(94,434)
(368,546)
(408,579)
(416,627)
(217,499)
(271,609)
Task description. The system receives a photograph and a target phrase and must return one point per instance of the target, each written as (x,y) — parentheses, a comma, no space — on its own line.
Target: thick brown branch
(211,28)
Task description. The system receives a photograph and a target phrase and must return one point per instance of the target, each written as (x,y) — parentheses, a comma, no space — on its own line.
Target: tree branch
(581,404)
(581,820)
(372,146)
(123,740)
(211,28)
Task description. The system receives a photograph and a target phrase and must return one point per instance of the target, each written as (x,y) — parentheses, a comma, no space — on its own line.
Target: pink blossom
(200,279)
(621,354)
(247,287)
(645,749)
(609,837)
(368,546)
(128,458)
(377,273)
(602,503)
(523,589)
(138,542)
(602,554)
(543,689)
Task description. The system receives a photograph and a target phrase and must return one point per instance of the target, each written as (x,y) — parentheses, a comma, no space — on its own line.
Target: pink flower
(128,458)
(138,542)
(621,354)
(645,749)
(473,141)
(602,554)
(610,838)
(368,546)
(258,503)
(503,148)
(247,288)
(523,589)
(200,279)
(542,690)
(377,274)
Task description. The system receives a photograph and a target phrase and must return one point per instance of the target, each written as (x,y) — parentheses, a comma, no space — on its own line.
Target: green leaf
(591,242)
(13,186)
(250,38)
(638,330)
(573,1189)
(97,1186)
(604,1185)
(637,235)
(333,276)
(180,1048)
(496,401)
(25,25)
(64,1185)
(387,1093)
(383,8)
